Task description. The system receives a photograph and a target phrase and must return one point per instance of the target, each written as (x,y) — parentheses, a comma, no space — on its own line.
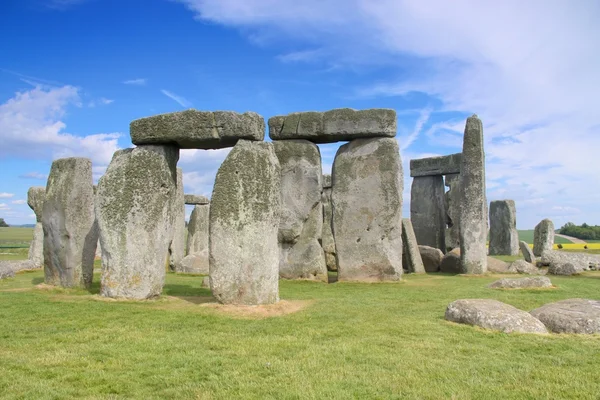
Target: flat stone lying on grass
(195,199)
(570,316)
(527,252)
(563,268)
(581,261)
(193,129)
(493,314)
(451,264)
(497,266)
(524,267)
(12,266)
(336,125)
(521,283)
(432,258)
(6,272)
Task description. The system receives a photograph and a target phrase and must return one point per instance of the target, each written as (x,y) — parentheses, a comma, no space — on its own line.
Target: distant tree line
(583,231)
(3,224)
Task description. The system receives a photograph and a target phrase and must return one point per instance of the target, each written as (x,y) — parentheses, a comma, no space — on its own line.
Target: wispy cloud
(34,175)
(4,207)
(138,81)
(301,56)
(6,195)
(101,101)
(179,99)
(423,118)
(32,80)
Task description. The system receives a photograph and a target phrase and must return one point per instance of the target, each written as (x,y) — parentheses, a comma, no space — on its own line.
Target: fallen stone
(194,264)
(524,267)
(178,243)
(473,217)
(432,258)
(563,268)
(68,220)
(581,261)
(427,211)
(570,316)
(135,205)
(452,208)
(367,210)
(193,129)
(443,165)
(411,255)
(451,264)
(543,237)
(195,199)
(342,124)
(36,247)
(300,253)
(6,272)
(494,315)
(244,221)
(527,252)
(497,266)
(17,266)
(327,238)
(35,200)
(521,283)
(504,239)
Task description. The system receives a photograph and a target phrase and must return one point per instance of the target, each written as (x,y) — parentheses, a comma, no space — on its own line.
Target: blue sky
(74,73)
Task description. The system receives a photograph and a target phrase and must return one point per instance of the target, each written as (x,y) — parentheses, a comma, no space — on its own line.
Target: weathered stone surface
(451,264)
(443,165)
(504,239)
(6,272)
(18,265)
(178,244)
(493,314)
(411,256)
(570,316)
(452,207)
(244,221)
(563,268)
(427,211)
(70,231)
(327,238)
(193,129)
(135,204)
(197,243)
(524,267)
(195,199)
(341,124)
(543,237)
(521,283)
(473,216)
(367,210)
(300,253)
(527,252)
(581,261)
(36,247)
(497,266)
(432,258)
(35,200)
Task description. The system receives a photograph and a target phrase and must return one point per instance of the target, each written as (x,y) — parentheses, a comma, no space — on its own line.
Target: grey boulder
(581,261)
(522,283)
(527,252)
(570,316)
(524,267)
(194,264)
(563,268)
(432,258)
(451,264)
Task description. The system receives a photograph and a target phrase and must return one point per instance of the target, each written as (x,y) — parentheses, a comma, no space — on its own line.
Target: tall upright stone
(135,209)
(543,237)
(35,200)
(473,216)
(411,256)
(427,212)
(70,231)
(177,247)
(244,221)
(504,239)
(452,207)
(327,238)
(367,210)
(196,259)
(300,253)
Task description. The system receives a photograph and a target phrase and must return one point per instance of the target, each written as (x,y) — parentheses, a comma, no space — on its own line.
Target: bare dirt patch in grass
(284,307)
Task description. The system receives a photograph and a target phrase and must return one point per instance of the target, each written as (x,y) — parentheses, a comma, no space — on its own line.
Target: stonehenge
(69,224)
(504,239)
(543,237)
(35,200)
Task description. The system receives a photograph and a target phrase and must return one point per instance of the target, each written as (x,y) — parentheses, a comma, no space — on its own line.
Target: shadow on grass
(177,290)
(37,281)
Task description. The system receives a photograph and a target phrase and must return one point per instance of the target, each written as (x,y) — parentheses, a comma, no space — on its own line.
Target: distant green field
(527,236)
(15,237)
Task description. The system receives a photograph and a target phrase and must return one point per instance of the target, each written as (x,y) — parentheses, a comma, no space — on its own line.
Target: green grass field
(15,237)
(527,236)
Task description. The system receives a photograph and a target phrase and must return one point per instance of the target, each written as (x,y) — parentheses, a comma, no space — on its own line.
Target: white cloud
(528,69)
(34,175)
(138,81)
(19,202)
(200,169)
(300,56)
(5,195)
(179,99)
(4,207)
(32,126)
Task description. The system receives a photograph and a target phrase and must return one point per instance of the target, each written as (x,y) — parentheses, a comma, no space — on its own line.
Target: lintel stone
(442,165)
(195,199)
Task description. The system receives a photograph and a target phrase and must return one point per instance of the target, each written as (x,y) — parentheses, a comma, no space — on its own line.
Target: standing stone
(411,256)
(327,239)
(367,210)
(177,247)
(70,231)
(473,216)
(543,237)
(504,239)
(196,260)
(452,207)
(527,252)
(300,253)
(135,212)
(35,200)
(243,224)
(427,211)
